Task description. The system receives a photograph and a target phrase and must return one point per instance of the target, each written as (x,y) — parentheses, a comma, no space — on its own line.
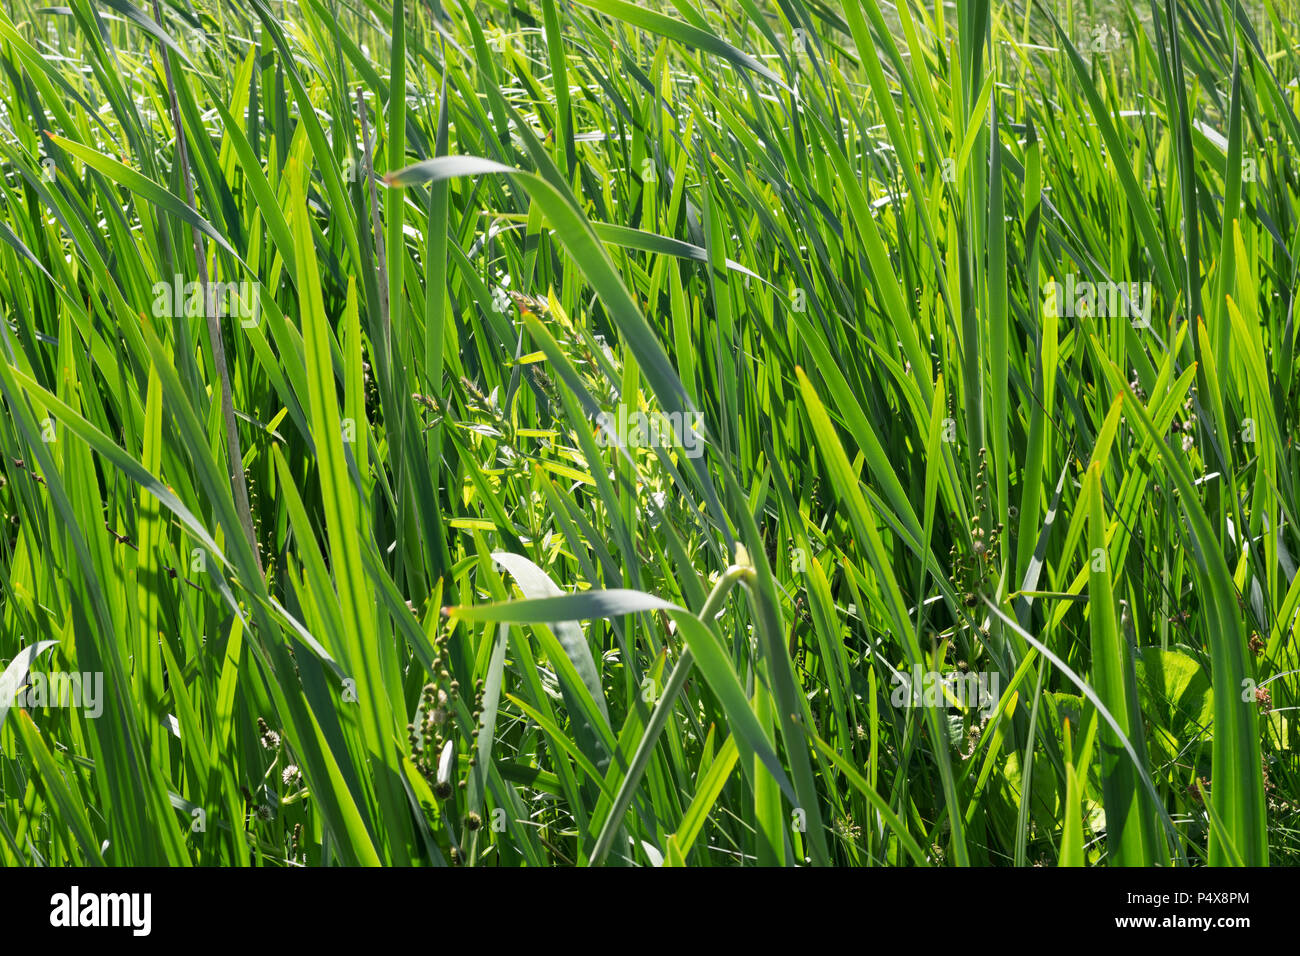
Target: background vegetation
(367,583)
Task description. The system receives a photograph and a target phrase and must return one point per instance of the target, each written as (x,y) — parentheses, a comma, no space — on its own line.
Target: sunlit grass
(654,434)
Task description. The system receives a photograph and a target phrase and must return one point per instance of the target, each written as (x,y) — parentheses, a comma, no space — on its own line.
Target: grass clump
(660,434)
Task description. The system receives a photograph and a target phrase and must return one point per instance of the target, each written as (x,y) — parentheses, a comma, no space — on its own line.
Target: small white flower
(290,774)
(1188,444)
